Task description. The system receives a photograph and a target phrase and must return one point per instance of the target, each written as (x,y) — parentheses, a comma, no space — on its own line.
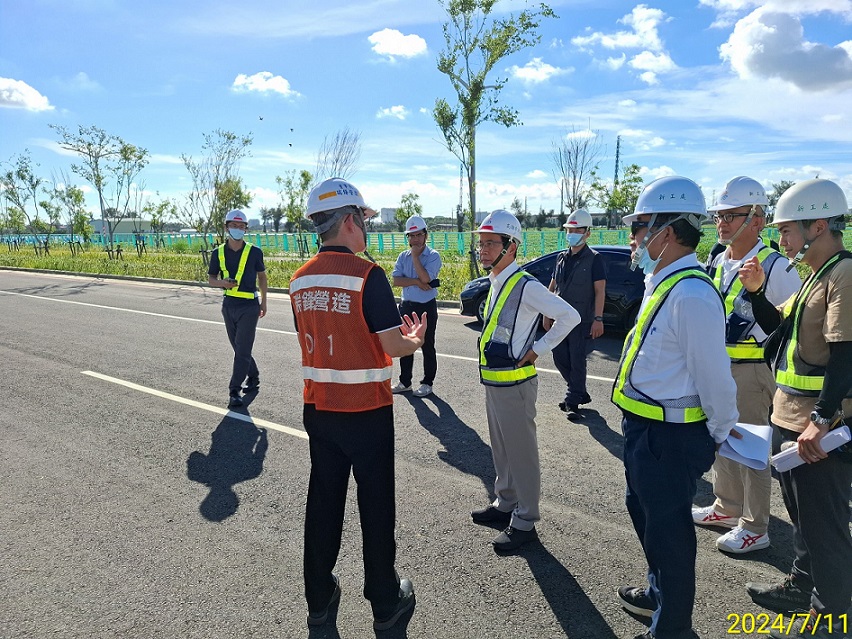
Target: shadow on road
(463,447)
(236,454)
(572,608)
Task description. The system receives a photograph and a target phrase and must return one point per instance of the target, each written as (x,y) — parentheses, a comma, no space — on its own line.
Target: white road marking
(190,402)
(259,328)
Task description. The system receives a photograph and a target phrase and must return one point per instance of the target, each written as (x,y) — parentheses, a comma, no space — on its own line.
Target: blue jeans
(662,463)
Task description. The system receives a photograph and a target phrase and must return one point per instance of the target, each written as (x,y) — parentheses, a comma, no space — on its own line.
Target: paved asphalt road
(148,511)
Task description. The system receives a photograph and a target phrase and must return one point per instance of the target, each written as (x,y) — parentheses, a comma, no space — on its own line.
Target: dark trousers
(241,323)
(430,357)
(569,356)
(662,463)
(364,444)
(817,498)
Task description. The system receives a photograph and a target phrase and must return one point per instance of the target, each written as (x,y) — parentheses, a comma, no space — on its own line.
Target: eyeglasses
(635,226)
(727,217)
(418,234)
(489,244)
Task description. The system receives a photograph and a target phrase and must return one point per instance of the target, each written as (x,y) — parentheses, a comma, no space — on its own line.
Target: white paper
(789,457)
(753,449)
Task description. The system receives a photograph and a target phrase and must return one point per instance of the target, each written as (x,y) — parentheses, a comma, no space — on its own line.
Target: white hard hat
(236,216)
(579,219)
(671,195)
(415,223)
(501,222)
(741,191)
(335,193)
(811,200)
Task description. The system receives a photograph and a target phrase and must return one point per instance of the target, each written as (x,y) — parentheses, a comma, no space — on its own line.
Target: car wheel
(480,308)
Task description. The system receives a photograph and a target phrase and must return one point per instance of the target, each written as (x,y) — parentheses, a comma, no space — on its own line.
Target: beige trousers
(514,447)
(741,491)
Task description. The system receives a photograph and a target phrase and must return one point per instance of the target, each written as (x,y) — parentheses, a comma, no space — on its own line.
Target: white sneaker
(707,516)
(399,388)
(423,390)
(740,540)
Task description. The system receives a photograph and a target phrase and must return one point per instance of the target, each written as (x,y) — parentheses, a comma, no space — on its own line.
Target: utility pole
(612,213)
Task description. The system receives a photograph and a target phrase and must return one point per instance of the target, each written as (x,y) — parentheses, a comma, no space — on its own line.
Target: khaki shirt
(827,317)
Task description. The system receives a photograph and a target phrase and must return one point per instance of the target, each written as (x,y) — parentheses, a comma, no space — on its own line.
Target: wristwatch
(599,318)
(819,420)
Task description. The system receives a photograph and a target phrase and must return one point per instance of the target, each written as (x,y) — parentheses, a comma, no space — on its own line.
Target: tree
(22,188)
(409,205)
(214,178)
(72,201)
(293,191)
(575,156)
(540,218)
(618,198)
(475,43)
(519,211)
(777,191)
(109,164)
(339,156)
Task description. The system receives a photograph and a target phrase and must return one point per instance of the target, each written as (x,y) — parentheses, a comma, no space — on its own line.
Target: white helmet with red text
(414,224)
(501,222)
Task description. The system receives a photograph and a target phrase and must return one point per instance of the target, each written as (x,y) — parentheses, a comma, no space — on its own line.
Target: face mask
(236,234)
(574,239)
(644,259)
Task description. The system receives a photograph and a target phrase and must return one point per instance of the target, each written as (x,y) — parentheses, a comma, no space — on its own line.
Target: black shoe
(783,597)
(635,599)
(491,515)
(513,538)
(319,617)
(403,605)
(235,401)
(252,385)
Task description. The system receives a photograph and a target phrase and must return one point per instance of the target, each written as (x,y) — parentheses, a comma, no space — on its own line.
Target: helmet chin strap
(801,254)
(487,269)
(742,228)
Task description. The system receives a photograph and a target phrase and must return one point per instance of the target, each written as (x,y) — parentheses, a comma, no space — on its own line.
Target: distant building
(124,225)
(387,215)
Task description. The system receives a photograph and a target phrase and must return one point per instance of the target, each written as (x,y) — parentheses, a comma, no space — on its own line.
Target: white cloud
(767,44)
(649,174)
(399,112)
(656,62)
(627,103)
(616,63)
(393,44)
(17,94)
(82,82)
(585,134)
(643,21)
(536,71)
(264,82)
(537,174)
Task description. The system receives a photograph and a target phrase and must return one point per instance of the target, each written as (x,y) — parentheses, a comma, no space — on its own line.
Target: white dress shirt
(536,300)
(780,284)
(684,353)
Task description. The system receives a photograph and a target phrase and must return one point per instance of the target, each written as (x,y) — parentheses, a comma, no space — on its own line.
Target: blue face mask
(236,234)
(645,262)
(574,239)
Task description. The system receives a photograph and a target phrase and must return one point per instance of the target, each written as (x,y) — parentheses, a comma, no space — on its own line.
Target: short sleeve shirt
(254,265)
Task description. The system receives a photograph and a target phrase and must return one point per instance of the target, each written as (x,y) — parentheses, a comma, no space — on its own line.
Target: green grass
(183,262)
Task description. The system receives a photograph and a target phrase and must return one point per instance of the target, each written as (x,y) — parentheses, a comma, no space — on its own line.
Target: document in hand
(789,457)
(753,449)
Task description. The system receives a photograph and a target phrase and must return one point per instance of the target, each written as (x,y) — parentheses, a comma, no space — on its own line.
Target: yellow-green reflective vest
(683,410)
(236,292)
(747,349)
(499,369)
(792,374)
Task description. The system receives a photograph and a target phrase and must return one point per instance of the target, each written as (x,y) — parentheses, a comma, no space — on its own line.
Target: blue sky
(709,89)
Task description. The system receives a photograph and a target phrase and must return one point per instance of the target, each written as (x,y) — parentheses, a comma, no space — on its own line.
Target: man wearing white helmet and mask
(742,493)
(416,271)
(579,278)
(675,390)
(349,328)
(811,355)
(237,267)
(507,354)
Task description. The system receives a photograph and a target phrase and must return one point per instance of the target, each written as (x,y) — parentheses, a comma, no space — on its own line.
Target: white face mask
(236,234)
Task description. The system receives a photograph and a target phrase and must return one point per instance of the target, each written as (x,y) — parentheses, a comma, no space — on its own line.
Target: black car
(624,288)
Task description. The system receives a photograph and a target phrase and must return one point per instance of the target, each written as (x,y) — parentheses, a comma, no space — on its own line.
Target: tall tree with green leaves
(518,209)
(110,164)
(72,202)
(777,191)
(475,42)
(618,198)
(409,205)
(293,189)
(214,178)
(22,189)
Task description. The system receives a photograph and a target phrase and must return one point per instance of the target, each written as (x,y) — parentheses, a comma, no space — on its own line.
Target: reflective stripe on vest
(503,317)
(749,350)
(235,292)
(791,374)
(684,410)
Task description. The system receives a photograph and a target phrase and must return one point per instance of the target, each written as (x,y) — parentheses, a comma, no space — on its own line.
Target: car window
(618,267)
(542,269)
